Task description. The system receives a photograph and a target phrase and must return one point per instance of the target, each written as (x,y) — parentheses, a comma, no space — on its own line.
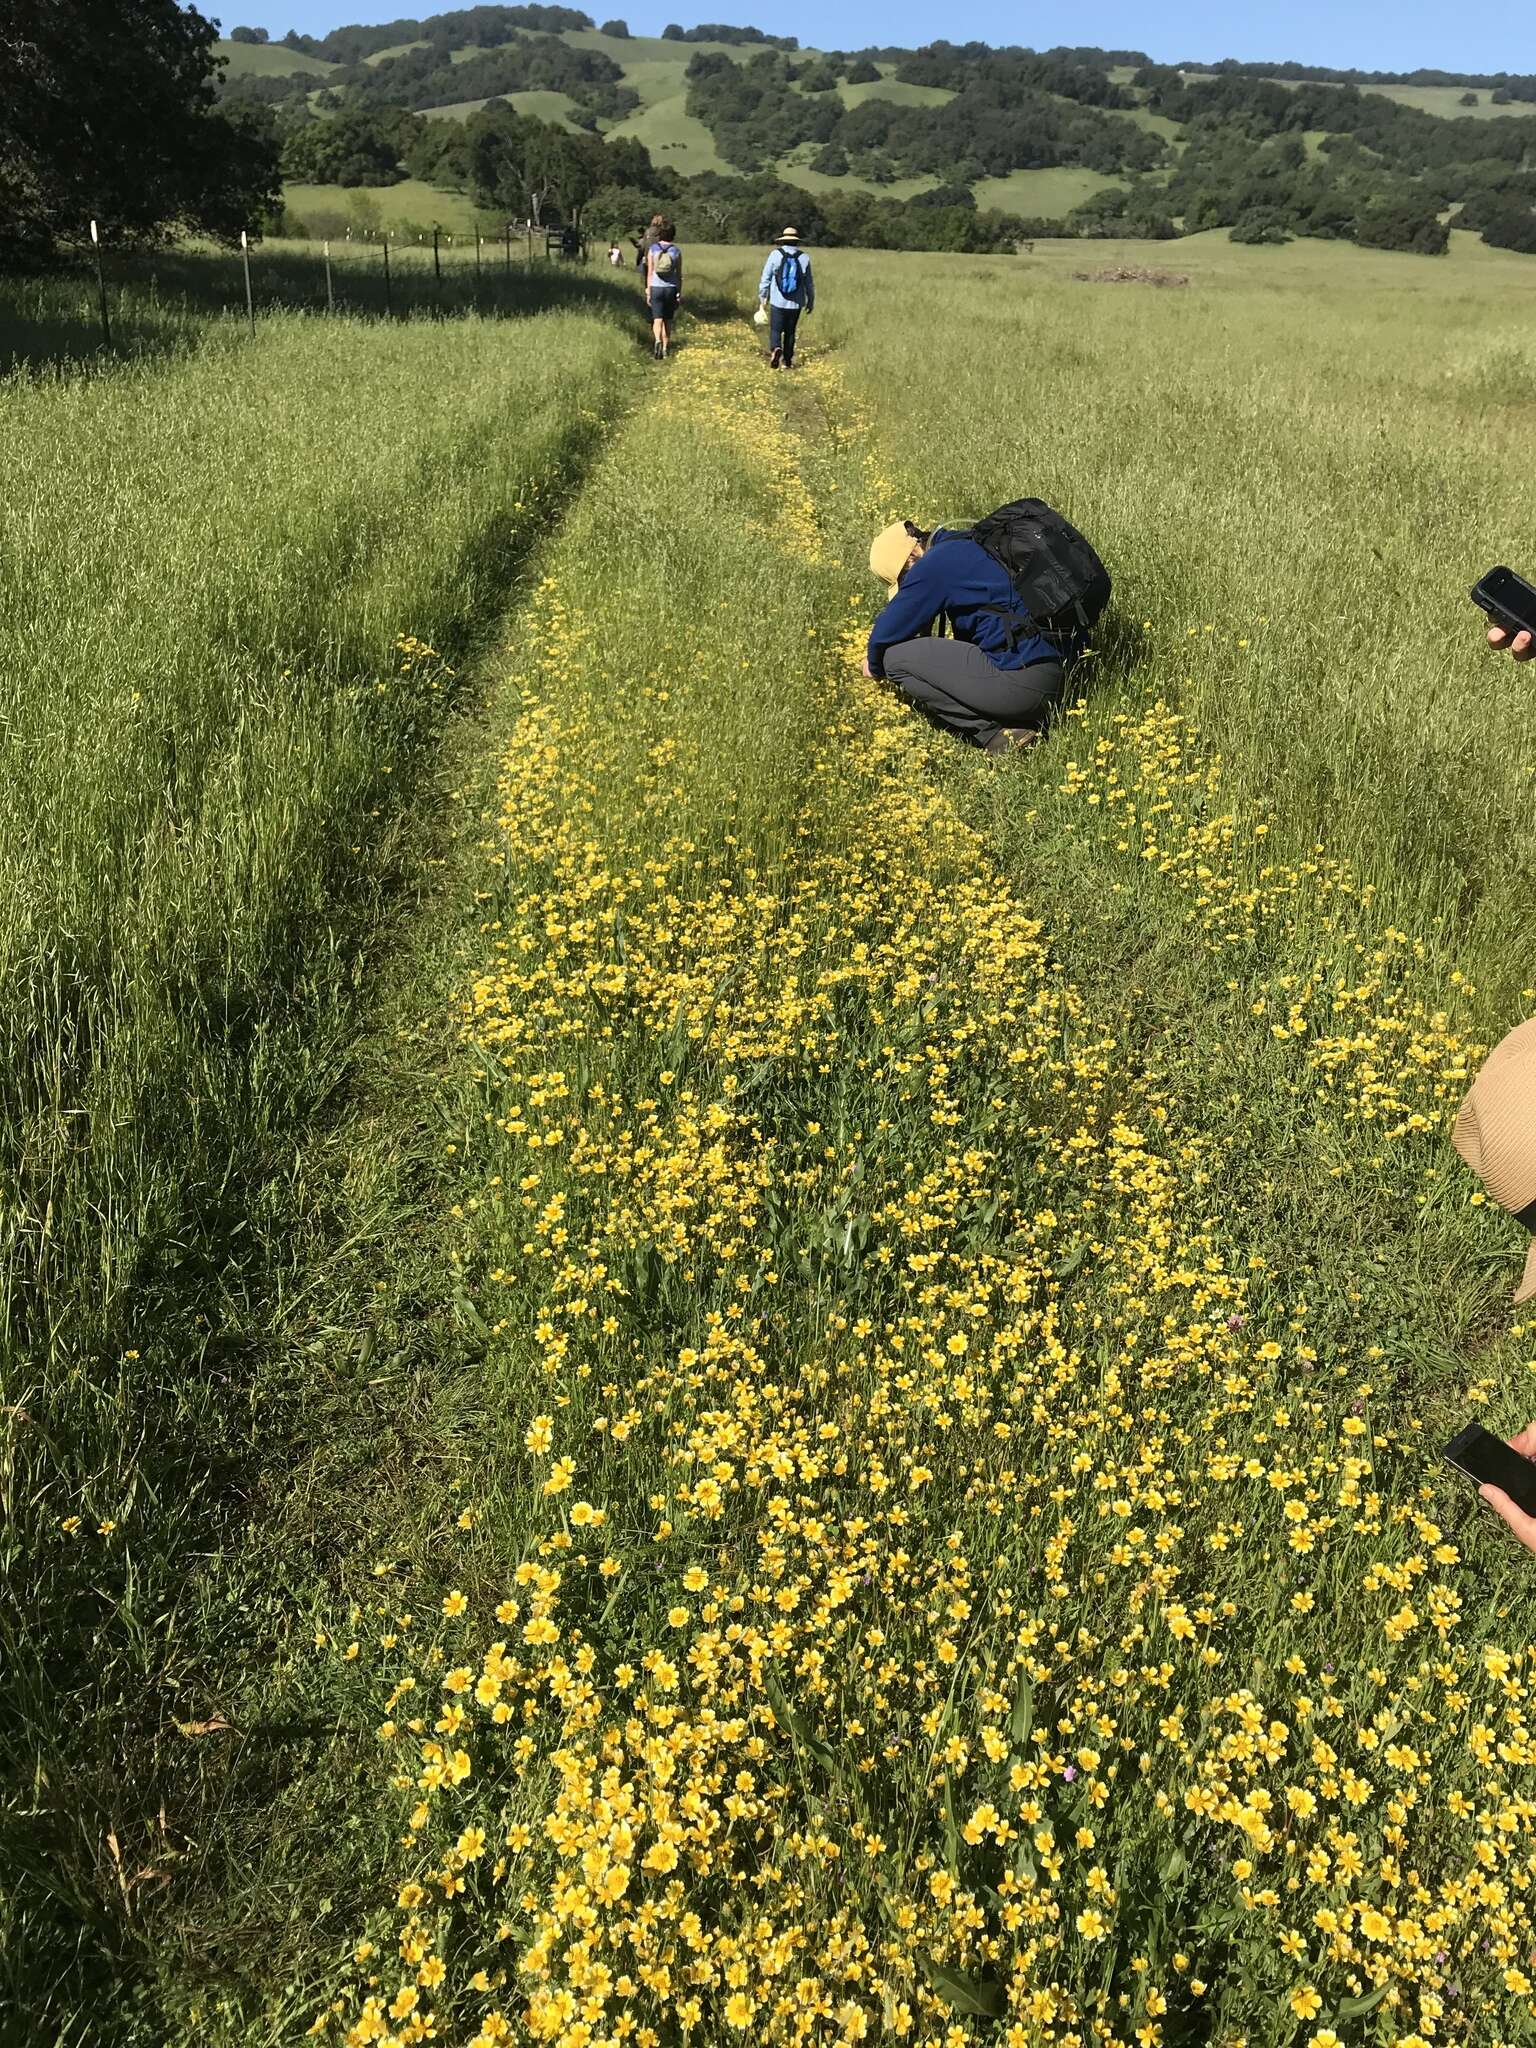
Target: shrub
(1511,226)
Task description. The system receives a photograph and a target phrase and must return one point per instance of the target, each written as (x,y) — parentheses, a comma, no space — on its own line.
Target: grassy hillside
(655,69)
(1051,194)
(1446,100)
(269,60)
(390,205)
(887,87)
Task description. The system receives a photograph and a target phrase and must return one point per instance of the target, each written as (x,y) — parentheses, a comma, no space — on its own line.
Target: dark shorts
(663,305)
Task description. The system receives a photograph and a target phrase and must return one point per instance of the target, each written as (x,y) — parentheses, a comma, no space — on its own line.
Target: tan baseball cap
(1496,1134)
(889,552)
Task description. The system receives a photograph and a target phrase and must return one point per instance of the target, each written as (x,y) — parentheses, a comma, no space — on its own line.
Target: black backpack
(1061,584)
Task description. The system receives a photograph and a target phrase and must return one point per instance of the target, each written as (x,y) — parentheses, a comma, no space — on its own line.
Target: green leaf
(1352,2008)
(799,1729)
(963,1992)
(1022,1719)
(951,1832)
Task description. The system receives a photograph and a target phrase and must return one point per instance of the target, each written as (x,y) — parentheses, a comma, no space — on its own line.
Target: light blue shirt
(803,296)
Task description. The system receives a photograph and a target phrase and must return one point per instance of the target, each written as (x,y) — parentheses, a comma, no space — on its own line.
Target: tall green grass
(211,745)
(1307,451)
(1310,451)
(166,300)
(877,1111)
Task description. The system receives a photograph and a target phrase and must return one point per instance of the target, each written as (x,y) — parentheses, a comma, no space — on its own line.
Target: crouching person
(1018,592)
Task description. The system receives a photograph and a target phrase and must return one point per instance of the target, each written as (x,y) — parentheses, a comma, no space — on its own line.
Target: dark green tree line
(108,111)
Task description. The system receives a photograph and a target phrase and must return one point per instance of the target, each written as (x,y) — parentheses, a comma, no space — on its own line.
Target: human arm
(765,282)
(1521,1524)
(810,287)
(1522,646)
(918,601)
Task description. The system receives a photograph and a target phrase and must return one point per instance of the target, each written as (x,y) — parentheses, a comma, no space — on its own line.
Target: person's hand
(1521,645)
(1521,1524)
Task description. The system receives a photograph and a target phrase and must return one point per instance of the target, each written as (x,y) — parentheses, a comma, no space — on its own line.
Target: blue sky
(1478,35)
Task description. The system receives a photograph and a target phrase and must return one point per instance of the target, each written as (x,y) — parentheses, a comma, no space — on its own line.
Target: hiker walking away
(615,255)
(787,290)
(1019,591)
(663,285)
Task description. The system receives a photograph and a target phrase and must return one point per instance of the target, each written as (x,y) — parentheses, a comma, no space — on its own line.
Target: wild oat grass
(967,1266)
(236,589)
(947,1565)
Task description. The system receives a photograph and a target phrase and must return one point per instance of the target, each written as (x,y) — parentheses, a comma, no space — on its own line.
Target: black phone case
(1501,615)
(1488,1460)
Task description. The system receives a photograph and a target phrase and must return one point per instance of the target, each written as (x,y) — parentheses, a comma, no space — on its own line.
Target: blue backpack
(790,268)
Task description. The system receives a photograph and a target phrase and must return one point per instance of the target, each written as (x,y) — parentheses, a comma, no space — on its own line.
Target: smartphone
(1507,599)
(1490,1461)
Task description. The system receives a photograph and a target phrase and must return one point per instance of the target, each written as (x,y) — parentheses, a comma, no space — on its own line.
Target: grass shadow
(162,302)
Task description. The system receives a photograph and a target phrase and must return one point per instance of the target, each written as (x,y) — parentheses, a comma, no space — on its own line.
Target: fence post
(477,259)
(389,306)
(437,271)
(250,303)
(330,295)
(101,289)
(508,240)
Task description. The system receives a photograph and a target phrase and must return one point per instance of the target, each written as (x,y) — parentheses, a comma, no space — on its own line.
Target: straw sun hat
(890,551)
(1496,1134)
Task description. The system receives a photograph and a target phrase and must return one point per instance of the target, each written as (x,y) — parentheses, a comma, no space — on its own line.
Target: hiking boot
(1013,739)
(775,358)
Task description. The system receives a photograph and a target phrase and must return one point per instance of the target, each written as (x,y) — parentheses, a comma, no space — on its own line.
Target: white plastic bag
(760,317)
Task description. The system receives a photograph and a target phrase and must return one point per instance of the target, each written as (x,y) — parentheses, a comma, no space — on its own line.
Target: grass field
(1049,195)
(1446,100)
(895,89)
(410,202)
(223,700)
(872,1371)
(269,60)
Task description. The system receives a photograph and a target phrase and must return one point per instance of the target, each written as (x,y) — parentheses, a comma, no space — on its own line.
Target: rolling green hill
(269,60)
(1039,138)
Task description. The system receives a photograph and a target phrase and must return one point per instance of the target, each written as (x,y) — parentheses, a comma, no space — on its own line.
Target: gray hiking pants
(960,690)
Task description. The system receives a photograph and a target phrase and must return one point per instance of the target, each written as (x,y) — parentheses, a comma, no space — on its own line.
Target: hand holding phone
(1510,603)
(1507,1467)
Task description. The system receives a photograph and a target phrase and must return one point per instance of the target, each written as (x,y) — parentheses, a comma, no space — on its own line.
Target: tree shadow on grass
(164,302)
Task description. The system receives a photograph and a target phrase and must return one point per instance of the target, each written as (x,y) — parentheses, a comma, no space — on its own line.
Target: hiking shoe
(1013,739)
(775,358)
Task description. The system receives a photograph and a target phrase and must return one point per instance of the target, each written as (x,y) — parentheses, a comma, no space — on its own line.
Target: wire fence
(101,300)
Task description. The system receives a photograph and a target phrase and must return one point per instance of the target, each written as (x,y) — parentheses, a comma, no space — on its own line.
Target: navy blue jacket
(958,579)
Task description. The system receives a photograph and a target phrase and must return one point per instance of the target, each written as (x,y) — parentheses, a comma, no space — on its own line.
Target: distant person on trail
(663,284)
(787,289)
(1019,591)
(641,245)
(615,255)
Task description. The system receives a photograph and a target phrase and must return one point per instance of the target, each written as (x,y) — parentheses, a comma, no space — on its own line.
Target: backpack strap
(1021,624)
